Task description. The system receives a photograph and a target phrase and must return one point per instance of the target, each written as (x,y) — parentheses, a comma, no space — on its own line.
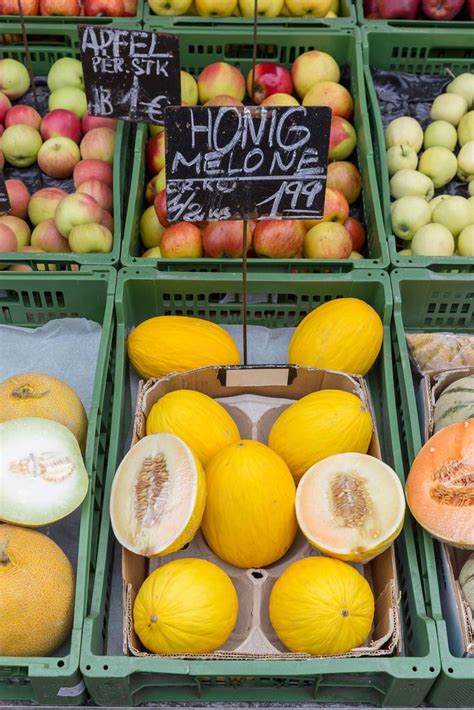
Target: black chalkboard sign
(4,199)
(246,162)
(130,74)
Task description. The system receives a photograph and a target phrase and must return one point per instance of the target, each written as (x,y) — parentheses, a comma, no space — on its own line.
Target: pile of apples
(71,8)
(314,78)
(441,225)
(245,8)
(65,143)
(419,9)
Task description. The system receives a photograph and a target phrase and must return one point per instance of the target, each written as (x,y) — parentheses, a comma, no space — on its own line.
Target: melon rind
(455,404)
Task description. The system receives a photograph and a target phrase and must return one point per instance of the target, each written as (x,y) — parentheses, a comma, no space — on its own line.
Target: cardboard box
(255,396)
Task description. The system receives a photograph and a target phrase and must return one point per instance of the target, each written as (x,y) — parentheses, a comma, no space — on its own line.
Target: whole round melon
(158,496)
(455,404)
(187,606)
(249,520)
(36,593)
(42,474)
(466,581)
(344,334)
(34,394)
(318,425)
(350,506)
(440,485)
(322,607)
(167,344)
(197,419)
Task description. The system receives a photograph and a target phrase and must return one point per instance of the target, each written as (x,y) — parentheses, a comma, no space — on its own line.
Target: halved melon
(158,496)
(440,485)
(350,506)
(42,474)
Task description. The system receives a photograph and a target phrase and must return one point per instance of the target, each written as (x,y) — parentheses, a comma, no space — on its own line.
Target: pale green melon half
(455,404)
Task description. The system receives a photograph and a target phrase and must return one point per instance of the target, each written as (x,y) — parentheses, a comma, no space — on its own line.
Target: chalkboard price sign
(130,74)
(246,162)
(4,200)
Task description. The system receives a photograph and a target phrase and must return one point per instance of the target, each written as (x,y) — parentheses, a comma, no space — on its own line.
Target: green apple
(466,128)
(189,89)
(471,205)
(66,72)
(90,239)
(433,240)
(409,214)
(405,252)
(404,131)
(14,78)
(466,162)
(471,187)
(439,164)
(463,85)
(265,8)
(161,180)
(454,213)
(153,253)
(20,145)
(449,107)
(440,133)
(224,8)
(436,200)
(69,98)
(466,241)
(401,157)
(151,228)
(411,183)
(170,7)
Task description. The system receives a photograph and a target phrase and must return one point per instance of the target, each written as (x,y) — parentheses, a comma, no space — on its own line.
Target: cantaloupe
(455,404)
(36,593)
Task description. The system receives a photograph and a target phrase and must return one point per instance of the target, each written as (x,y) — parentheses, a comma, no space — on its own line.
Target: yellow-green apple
(5,106)
(220,79)
(409,214)
(19,198)
(159,204)
(336,209)
(463,84)
(401,157)
(150,228)
(355,255)
(279,238)
(466,241)
(46,236)
(90,239)
(151,189)
(311,67)
(405,252)
(69,98)
(465,161)
(328,240)
(342,138)
(66,72)
(20,145)
(433,240)
(153,130)
(21,267)
(454,213)
(60,8)
(43,204)
(398,9)
(7,239)
(448,107)
(334,7)
(93,170)
(345,177)
(170,7)
(441,9)
(439,164)
(440,133)
(182,240)
(61,123)
(223,100)
(25,115)
(333,95)
(19,228)
(90,122)
(356,232)
(101,192)
(155,153)
(466,128)
(107,221)
(14,78)
(280,100)
(224,8)
(12,7)
(222,240)
(435,201)
(269,78)
(471,187)
(57,157)
(98,144)
(413,183)
(189,89)
(404,131)
(96,8)
(265,8)
(2,160)
(76,209)
(153,253)
(311,8)
(331,15)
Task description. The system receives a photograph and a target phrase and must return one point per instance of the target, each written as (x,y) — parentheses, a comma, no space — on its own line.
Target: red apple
(370,9)
(220,79)
(342,139)
(181,241)
(57,157)
(279,238)
(155,153)
(160,208)
(43,203)
(60,8)
(223,100)
(108,221)
(225,239)
(12,7)
(61,122)
(19,198)
(19,228)
(5,105)
(151,189)
(98,144)
(101,192)
(357,232)
(46,236)
(336,209)
(109,8)
(345,177)
(7,239)
(470,9)
(270,78)
(441,9)
(90,122)
(93,170)
(26,115)
(398,9)
(130,7)
(333,95)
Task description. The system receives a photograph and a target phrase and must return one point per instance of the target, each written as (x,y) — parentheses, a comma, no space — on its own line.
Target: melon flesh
(42,474)
(350,506)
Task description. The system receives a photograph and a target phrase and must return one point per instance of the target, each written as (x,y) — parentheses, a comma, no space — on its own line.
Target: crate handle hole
(432,670)
(106,668)
(60,664)
(414,669)
(88,668)
(450,670)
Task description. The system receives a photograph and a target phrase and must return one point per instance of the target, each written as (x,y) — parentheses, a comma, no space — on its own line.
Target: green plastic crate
(420,52)
(121,680)
(36,22)
(170,24)
(46,46)
(199,48)
(403,24)
(31,300)
(431,302)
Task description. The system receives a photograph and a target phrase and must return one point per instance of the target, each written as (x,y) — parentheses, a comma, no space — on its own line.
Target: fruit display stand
(36,22)
(198,49)
(461,22)
(429,302)
(421,52)
(30,300)
(115,679)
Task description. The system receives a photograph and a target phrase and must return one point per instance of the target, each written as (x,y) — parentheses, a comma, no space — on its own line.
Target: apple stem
(448,71)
